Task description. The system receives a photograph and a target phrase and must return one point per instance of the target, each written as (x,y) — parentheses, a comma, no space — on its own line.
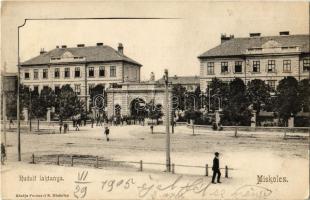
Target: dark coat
(216,164)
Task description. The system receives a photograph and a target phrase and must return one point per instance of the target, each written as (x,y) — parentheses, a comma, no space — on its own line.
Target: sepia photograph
(155,100)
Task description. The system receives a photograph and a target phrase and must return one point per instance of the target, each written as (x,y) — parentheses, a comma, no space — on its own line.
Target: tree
(178,96)
(41,102)
(217,90)
(154,111)
(236,111)
(304,94)
(69,103)
(98,90)
(258,93)
(288,103)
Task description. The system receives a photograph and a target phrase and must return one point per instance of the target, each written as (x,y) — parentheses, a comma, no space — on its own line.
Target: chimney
(284,33)
(64,46)
(254,34)
(120,48)
(80,45)
(225,38)
(42,51)
(99,44)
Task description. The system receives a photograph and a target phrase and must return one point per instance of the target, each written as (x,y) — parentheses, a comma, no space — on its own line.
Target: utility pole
(29,111)
(3,105)
(167,123)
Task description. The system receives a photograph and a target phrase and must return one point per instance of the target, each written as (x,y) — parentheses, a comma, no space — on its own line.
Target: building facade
(82,67)
(256,57)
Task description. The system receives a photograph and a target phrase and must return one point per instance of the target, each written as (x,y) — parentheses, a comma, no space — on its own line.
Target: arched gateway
(133,97)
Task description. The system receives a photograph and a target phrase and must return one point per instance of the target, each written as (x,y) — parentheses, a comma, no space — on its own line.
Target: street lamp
(209,95)
(219,100)
(202,95)
(18,93)
(167,122)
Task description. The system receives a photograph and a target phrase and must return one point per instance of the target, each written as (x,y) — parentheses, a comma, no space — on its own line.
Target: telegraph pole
(18,94)
(3,105)
(168,162)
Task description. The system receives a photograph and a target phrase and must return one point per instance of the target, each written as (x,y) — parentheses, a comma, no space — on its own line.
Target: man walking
(107,132)
(216,168)
(60,126)
(3,153)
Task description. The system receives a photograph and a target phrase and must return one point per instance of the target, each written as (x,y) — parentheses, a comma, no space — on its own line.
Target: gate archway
(138,108)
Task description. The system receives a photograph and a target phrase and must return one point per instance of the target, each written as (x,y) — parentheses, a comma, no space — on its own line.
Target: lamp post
(167,122)
(202,99)
(209,99)
(29,111)
(18,94)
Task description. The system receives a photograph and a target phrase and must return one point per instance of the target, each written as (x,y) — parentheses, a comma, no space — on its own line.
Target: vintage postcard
(161,100)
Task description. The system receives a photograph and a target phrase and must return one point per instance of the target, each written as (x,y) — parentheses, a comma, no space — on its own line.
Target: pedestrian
(3,153)
(73,122)
(60,126)
(77,127)
(107,132)
(92,122)
(152,128)
(216,168)
(65,128)
(11,123)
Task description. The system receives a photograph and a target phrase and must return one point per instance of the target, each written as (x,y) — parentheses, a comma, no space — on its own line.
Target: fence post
(236,131)
(71,161)
(32,159)
(57,159)
(207,172)
(141,165)
(172,166)
(97,162)
(226,171)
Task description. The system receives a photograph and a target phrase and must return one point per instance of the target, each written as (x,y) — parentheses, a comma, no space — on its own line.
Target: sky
(157,44)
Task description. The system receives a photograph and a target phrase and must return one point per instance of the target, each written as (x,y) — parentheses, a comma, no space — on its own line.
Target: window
(67,72)
(272,84)
(306,64)
(57,73)
(286,65)
(35,74)
(77,72)
(91,72)
(112,71)
(256,66)
(238,67)
(224,67)
(101,71)
(271,66)
(57,89)
(77,89)
(27,75)
(45,73)
(36,89)
(90,88)
(210,68)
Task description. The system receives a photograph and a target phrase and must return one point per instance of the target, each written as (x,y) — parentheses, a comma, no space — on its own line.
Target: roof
(237,46)
(183,80)
(102,53)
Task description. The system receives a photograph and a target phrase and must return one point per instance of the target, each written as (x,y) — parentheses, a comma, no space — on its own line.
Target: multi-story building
(83,67)
(269,58)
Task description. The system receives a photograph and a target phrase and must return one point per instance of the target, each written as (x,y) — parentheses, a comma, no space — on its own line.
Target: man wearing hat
(216,168)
